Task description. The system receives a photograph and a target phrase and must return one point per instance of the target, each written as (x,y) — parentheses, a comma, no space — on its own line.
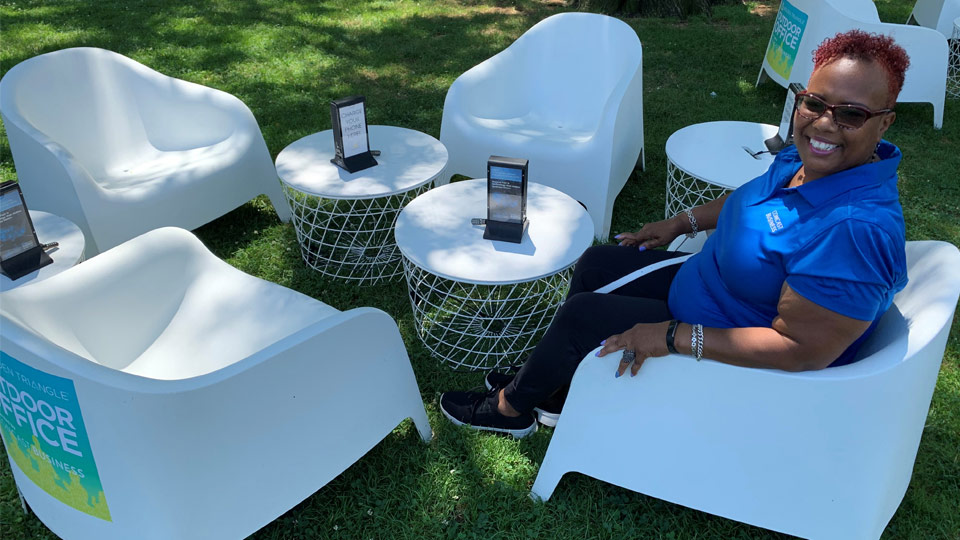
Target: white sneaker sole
(548,419)
(516,433)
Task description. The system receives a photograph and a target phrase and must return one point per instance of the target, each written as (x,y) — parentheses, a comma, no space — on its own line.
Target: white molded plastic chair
(936,14)
(120,149)
(213,401)
(821,454)
(861,10)
(568,96)
(925,81)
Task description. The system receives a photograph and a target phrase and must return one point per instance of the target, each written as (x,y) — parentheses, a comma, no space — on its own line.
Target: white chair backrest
(572,58)
(861,10)
(936,14)
(78,98)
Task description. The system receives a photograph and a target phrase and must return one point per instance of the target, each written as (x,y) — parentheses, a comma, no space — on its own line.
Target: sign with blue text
(785,40)
(44,434)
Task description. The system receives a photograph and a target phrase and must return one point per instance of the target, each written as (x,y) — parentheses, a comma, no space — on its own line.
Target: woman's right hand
(653,235)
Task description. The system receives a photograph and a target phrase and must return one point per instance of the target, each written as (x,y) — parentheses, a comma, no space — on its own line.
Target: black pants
(586,318)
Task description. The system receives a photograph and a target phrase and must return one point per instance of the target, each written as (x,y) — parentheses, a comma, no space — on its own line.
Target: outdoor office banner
(44,434)
(785,40)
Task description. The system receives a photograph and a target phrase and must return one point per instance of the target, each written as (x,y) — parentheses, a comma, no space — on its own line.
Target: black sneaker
(547,412)
(479,411)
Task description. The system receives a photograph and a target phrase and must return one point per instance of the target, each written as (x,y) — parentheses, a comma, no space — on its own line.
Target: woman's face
(826,148)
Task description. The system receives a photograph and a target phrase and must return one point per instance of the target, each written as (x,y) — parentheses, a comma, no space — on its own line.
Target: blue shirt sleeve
(850,268)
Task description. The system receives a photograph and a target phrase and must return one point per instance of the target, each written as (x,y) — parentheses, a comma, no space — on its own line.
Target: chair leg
(762,77)
(641,161)
(603,232)
(423,425)
(280,205)
(938,115)
(547,479)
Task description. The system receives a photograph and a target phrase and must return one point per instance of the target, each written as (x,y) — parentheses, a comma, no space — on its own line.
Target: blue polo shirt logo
(773,219)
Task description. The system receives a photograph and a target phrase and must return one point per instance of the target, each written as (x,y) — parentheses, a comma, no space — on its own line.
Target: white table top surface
(434,232)
(52,228)
(408,159)
(713,151)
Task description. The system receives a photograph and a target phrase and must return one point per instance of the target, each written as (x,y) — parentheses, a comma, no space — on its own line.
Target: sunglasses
(846,116)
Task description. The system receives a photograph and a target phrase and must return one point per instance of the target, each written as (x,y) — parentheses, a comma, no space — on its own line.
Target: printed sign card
(506,199)
(785,40)
(351,139)
(44,434)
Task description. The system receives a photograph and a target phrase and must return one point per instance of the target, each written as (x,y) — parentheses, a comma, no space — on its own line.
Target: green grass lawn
(286,59)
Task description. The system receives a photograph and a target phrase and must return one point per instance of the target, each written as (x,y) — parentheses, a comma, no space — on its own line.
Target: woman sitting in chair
(804,261)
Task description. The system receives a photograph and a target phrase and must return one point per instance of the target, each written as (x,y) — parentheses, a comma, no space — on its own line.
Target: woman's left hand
(644,339)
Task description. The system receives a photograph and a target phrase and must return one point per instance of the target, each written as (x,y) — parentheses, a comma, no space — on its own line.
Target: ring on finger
(628,356)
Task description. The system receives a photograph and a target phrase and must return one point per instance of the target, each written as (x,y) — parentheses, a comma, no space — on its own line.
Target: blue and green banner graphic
(785,41)
(43,432)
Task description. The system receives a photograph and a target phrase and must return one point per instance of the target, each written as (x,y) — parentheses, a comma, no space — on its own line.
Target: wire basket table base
(953,70)
(481,327)
(685,191)
(350,238)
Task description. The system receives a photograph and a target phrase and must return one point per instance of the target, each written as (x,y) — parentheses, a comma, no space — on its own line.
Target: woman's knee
(593,264)
(595,256)
(576,308)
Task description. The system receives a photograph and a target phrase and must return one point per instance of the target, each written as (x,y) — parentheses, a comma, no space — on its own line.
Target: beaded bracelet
(694,229)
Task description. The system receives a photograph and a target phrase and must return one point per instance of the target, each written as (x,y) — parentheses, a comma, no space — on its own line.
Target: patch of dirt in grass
(486,10)
(500,10)
(763,9)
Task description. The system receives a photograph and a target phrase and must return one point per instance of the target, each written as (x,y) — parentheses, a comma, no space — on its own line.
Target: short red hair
(861,45)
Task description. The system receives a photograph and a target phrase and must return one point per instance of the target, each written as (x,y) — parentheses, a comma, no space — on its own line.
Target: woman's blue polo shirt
(838,241)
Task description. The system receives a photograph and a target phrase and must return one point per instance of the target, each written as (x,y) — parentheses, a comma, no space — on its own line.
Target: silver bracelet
(694,229)
(696,341)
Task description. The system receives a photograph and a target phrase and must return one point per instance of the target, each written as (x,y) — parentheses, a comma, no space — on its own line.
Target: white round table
(953,70)
(704,161)
(480,304)
(344,221)
(51,228)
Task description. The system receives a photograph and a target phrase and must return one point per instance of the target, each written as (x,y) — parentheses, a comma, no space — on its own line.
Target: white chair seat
(533,127)
(166,169)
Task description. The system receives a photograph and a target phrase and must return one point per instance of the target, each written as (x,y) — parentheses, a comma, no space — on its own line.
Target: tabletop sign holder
(20,250)
(506,199)
(784,137)
(351,138)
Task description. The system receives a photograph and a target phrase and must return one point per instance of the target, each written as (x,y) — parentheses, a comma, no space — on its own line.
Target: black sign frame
(27,259)
(506,199)
(362,160)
